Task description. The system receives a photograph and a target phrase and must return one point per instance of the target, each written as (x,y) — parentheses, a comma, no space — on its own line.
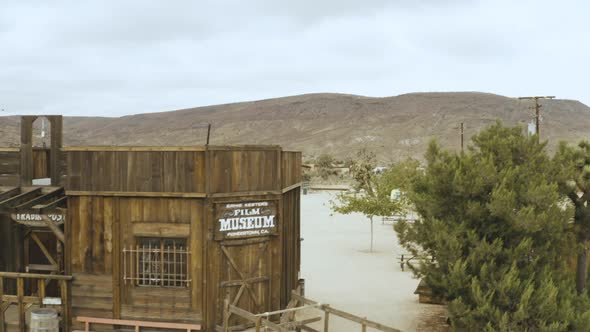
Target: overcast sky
(124,57)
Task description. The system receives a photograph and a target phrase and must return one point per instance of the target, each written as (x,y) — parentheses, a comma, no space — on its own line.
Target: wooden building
(154,233)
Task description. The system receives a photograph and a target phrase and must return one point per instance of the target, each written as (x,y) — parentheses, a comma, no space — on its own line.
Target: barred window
(157,262)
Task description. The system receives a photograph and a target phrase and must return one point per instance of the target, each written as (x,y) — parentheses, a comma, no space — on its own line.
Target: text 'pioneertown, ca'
(248,219)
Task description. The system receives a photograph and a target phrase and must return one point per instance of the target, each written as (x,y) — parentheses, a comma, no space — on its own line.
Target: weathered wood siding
(117,195)
(9,167)
(248,169)
(291,246)
(136,171)
(41,163)
(102,226)
(291,168)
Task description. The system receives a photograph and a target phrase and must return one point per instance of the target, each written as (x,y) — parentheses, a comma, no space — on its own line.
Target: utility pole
(461,136)
(537,109)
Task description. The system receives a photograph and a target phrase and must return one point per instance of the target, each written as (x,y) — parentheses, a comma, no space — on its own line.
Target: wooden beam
(43,249)
(21,198)
(15,275)
(52,206)
(9,193)
(308,329)
(58,233)
(247,193)
(235,283)
(300,323)
(42,267)
(13,299)
(291,187)
(40,199)
(134,148)
(135,194)
(243,147)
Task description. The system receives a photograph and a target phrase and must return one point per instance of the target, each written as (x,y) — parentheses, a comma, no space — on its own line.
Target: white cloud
(87,58)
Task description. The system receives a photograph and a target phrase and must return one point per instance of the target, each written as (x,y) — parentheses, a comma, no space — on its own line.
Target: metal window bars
(156,265)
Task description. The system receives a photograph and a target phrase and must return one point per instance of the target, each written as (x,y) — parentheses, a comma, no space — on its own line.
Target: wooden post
(65,305)
(1,302)
(258,324)
(226,314)
(326,317)
(20,289)
(364,325)
(41,291)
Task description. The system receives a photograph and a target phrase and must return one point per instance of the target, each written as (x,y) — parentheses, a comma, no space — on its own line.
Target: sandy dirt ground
(340,271)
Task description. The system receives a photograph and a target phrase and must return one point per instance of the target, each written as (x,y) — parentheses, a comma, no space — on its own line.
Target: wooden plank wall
(245,256)
(101,226)
(136,171)
(108,209)
(9,167)
(291,246)
(291,168)
(41,163)
(244,170)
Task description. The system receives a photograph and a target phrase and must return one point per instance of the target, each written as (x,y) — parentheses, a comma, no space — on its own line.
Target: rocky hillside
(394,127)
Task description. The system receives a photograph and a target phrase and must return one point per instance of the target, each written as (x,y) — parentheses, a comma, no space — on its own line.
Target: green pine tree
(493,221)
(572,169)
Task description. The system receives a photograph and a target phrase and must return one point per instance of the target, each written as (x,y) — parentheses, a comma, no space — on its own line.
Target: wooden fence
(24,302)
(287,320)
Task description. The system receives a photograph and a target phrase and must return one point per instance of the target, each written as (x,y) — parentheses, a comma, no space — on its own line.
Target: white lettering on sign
(235,224)
(246,219)
(37,217)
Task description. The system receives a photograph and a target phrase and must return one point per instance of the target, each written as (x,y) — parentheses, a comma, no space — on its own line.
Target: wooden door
(244,276)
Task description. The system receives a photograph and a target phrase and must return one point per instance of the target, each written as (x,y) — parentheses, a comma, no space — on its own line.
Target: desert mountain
(339,124)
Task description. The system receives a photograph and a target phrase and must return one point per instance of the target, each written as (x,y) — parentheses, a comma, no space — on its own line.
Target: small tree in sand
(371,196)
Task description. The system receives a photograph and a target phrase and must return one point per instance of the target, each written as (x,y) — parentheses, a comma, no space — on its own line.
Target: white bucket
(44,320)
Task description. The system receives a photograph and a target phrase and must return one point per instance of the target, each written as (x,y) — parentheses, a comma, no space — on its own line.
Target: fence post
(326,317)
(364,325)
(20,293)
(65,304)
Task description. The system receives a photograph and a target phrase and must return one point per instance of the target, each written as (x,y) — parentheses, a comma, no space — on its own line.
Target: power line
(537,109)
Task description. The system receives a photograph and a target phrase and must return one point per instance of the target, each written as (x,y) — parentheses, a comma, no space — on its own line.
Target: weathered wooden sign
(34,219)
(245,219)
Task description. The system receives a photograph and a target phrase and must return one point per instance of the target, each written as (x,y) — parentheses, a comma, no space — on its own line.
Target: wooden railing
(287,320)
(364,322)
(136,324)
(24,302)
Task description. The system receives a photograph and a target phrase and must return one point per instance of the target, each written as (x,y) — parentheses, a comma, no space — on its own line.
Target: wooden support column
(65,304)
(41,292)
(20,294)
(26,150)
(58,233)
(326,318)
(56,145)
(1,303)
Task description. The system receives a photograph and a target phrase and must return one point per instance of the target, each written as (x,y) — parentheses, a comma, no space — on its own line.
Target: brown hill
(339,124)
